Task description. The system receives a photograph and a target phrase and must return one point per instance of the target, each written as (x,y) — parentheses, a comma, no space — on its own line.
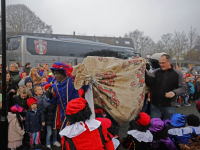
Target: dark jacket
(163,81)
(33,121)
(22,103)
(48,114)
(42,102)
(15,77)
(197,86)
(27,70)
(9,96)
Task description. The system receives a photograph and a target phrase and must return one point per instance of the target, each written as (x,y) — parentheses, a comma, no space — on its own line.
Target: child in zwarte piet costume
(161,141)
(85,133)
(140,138)
(181,134)
(185,136)
(63,92)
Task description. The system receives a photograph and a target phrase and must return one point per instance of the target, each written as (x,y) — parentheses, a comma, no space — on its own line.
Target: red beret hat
(144,119)
(75,105)
(31,100)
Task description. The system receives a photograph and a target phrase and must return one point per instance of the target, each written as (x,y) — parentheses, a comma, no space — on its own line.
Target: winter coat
(197,86)
(22,103)
(27,70)
(14,130)
(188,88)
(33,121)
(163,81)
(15,77)
(42,102)
(48,114)
(192,90)
(9,96)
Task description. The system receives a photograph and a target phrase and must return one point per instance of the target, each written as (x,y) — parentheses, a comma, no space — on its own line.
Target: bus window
(13,43)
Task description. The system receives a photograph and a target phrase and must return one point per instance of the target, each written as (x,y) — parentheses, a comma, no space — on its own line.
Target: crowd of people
(45,109)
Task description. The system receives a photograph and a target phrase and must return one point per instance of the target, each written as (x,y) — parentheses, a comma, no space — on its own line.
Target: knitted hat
(28,79)
(156,125)
(75,105)
(21,83)
(178,120)
(193,120)
(16,108)
(144,119)
(105,122)
(31,100)
(47,86)
(64,67)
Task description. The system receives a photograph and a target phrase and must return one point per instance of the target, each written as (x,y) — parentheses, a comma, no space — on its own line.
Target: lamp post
(3,118)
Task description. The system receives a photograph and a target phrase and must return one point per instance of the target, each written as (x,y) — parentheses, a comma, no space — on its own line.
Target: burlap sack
(118,85)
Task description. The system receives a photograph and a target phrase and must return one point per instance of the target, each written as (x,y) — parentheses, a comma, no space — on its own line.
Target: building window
(47,35)
(36,35)
(127,42)
(117,42)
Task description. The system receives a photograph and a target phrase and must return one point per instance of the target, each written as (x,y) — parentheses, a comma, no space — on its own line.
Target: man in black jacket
(166,84)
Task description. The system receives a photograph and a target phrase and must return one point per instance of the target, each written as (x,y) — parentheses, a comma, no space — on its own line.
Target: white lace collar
(176,131)
(184,130)
(79,127)
(190,129)
(141,136)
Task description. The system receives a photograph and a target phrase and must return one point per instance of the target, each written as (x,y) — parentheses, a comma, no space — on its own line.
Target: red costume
(85,134)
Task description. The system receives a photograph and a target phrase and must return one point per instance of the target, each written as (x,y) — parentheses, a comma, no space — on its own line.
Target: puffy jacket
(33,121)
(163,81)
(15,77)
(42,102)
(48,114)
(15,132)
(192,90)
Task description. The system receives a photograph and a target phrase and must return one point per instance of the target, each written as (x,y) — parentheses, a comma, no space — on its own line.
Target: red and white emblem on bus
(40,46)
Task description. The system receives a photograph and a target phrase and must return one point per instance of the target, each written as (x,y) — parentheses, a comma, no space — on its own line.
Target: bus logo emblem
(40,46)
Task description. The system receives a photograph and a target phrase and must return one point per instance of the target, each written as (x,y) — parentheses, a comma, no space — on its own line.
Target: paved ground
(185,110)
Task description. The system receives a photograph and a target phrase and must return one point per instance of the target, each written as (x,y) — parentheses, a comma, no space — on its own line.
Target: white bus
(24,48)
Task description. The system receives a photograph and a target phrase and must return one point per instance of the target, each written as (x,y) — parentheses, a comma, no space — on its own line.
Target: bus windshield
(13,43)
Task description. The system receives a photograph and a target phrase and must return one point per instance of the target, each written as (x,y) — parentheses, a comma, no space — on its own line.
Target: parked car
(184,70)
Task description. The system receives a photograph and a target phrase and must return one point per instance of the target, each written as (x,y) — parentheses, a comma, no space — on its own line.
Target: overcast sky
(116,17)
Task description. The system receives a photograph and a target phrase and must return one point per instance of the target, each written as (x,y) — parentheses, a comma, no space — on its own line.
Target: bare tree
(192,55)
(167,42)
(179,45)
(192,35)
(19,18)
(197,41)
(140,42)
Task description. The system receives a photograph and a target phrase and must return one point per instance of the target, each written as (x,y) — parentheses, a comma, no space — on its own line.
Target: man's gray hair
(167,56)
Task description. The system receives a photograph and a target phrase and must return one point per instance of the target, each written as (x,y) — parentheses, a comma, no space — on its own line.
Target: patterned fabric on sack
(118,85)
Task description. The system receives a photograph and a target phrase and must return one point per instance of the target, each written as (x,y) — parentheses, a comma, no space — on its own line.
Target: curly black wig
(60,71)
(82,115)
(193,120)
(140,127)
(162,134)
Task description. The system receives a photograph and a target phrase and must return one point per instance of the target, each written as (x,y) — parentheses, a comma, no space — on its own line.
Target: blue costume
(63,92)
